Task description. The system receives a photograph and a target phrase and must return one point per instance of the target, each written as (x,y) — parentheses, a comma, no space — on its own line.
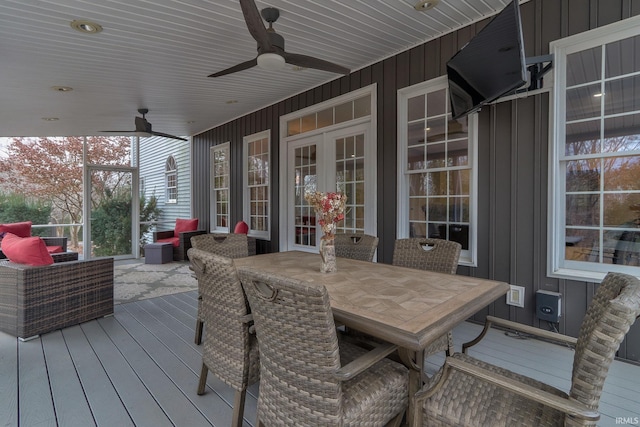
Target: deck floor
(140,367)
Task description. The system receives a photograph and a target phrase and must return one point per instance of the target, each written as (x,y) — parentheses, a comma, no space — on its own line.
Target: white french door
(342,160)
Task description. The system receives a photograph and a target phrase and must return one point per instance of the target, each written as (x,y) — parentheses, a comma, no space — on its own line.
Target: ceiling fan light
(424,5)
(270,61)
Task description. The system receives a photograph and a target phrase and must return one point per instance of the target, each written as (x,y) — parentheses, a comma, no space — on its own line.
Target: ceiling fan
(143,128)
(271,53)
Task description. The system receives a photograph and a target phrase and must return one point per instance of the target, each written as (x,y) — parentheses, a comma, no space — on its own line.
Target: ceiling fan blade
(242,66)
(166,135)
(315,63)
(255,25)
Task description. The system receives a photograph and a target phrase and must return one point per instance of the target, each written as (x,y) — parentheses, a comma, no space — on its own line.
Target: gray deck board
(140,367)
(105,403)
(140,348)
(71,406)
(34,396)
(8,380)
(114,389)
(181,364)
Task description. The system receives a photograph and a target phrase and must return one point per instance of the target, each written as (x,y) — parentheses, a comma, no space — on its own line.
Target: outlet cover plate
(515,296)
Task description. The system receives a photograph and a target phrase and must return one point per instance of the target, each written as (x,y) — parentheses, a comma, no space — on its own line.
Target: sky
(3,143)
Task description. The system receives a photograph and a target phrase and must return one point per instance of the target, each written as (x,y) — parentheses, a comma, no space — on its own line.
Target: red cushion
(20,229)
(175,241)
(54,249)
(241,228)
(185,225)
(26,250)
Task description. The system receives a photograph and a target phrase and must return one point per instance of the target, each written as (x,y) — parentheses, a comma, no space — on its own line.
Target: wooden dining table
(408,307)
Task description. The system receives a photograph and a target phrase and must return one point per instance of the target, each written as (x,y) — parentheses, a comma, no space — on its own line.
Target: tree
(50,169)
(111,222)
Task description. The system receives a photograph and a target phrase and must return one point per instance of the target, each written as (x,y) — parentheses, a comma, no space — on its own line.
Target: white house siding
(154,152)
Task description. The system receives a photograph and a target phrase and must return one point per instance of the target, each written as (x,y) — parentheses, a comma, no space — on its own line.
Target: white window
(171,181)
(220,169)
(437,163)
(256,179)
(595,161)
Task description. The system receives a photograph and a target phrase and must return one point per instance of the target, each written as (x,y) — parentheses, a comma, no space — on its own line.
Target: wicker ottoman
(158,253)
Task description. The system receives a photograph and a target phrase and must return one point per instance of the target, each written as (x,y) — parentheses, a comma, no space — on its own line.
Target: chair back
(226,346)
(356,246)
(427,254)
(613,309)
(227,245)
(299,352)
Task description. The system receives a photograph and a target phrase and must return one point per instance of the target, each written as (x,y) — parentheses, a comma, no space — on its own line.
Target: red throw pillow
(26,250)
(175,241)
(20,229)
(185,225)
(241,228)
(54,249)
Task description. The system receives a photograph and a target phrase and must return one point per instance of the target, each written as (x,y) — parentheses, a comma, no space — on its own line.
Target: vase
(328,255)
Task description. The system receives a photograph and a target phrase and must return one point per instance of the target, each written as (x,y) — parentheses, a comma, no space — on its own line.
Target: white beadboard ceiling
(157,54)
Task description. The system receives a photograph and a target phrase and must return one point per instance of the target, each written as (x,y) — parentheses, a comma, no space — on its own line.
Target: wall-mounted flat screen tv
(491,65)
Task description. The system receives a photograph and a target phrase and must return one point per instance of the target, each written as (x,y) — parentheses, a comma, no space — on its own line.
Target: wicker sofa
(37,300)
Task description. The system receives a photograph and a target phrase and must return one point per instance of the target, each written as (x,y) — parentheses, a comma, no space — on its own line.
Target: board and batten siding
(512,159)
(154,152)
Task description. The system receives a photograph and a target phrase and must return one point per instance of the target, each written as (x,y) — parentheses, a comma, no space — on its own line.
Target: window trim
(213,210)
(167,174)
(556,263)
(266,134)
(467,257)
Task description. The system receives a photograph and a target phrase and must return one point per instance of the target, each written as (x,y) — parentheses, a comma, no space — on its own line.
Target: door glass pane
(362,106)
(111,197)
(344,112)
(305,181)
(350,164)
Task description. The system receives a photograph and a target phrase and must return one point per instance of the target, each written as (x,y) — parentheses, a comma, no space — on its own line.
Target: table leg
(414,360)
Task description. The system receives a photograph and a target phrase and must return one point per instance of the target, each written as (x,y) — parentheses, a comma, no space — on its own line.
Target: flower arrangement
(329,208)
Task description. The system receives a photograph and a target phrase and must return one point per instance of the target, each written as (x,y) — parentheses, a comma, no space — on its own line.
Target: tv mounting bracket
(537,69)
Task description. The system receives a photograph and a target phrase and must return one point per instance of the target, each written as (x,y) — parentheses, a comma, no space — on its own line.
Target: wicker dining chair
(227,245)
(229,350)
(469,392)
(356,246)
(434,255)
(308,377)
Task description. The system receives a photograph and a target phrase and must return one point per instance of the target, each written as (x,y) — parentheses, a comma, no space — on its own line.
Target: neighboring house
(165,172)
(500,188)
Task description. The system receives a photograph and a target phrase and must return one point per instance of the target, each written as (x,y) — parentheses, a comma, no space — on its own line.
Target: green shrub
(17,208)
(111,223)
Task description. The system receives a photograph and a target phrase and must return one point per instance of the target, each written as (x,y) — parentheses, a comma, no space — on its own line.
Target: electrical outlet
(515,296)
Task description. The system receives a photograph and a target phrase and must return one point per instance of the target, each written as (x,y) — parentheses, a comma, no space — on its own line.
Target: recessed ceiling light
(232,101)
(298,68)
(598,95)
(189,122)
(62,88)
(50,119)
(424,5)
(86,27)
